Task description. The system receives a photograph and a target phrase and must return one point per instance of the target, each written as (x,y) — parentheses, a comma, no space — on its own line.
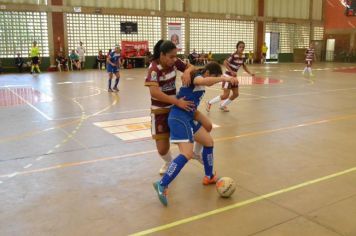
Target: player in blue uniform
(184,130)
(113,62)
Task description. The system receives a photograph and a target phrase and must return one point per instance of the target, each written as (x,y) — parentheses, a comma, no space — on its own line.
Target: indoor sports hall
(83,87)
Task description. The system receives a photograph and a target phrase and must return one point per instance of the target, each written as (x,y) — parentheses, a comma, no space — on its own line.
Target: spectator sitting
(193,57)
(74,59)
(61,61)
(19,62)
(203,58)
(101,60)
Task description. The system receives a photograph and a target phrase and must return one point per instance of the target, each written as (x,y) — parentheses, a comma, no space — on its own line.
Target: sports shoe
(110,90)
(208,106)
(212,180)
(116,89)
(161,192)
(224,108)
(164,168)
(198,158)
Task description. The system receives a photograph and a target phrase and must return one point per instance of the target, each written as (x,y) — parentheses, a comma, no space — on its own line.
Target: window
(220,36)
(18,30)
(291,35)
(318,33)
(102,32)
(302,36)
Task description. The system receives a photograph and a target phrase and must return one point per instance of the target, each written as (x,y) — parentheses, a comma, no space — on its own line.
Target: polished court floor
(77,160)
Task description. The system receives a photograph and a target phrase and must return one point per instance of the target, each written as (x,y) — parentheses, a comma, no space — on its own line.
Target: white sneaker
(198,158)
(164,168)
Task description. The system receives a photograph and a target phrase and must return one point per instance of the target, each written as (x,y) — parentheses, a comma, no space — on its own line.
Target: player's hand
(186,80)
(233,74)
(185,105)
(234,81)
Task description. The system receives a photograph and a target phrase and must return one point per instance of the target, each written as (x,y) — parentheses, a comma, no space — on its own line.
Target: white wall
(296,9)
(239,7)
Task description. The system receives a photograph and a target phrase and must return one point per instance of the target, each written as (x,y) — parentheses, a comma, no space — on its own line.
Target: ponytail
(162,46)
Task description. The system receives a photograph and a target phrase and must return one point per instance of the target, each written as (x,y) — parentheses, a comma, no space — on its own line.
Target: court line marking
(29,104)
(70,164)
(243,203)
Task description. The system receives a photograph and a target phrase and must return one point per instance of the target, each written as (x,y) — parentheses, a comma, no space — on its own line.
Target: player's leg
(202,136)
(117,74)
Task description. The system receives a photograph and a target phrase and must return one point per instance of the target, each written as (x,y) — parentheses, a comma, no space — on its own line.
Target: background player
(113,65)
(232,64)
(309,57)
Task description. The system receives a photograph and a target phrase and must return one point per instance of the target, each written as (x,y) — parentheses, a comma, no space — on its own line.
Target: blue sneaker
(162,193)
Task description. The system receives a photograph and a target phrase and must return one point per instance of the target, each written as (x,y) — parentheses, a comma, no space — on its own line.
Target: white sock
(305,69)
(198,148)
(167,157)
(215,100)
(226,102)
(309,69)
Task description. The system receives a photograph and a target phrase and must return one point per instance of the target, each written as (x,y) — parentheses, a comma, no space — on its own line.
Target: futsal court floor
(77,160)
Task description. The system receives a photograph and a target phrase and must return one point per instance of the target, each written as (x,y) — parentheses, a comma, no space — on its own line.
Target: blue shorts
(182,130)
(112,69)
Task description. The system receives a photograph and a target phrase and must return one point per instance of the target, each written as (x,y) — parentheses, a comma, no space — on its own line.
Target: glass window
(101,32)
(221,36)
(18,30)
(318,33)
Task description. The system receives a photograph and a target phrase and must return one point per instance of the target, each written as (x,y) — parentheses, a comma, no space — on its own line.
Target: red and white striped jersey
(309,54)
(235,62)
(164,79)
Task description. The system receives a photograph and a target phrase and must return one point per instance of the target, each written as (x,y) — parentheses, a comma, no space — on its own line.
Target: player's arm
(160,96)
(247,70)
(186,77)
(227,65)
(209,81)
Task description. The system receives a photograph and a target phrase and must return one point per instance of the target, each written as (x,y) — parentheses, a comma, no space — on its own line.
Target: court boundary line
(243,203)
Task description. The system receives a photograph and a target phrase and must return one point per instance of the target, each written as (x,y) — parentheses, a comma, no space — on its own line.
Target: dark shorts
(159,124)
(309,62)
(35,60)
(228,85)
(264,54)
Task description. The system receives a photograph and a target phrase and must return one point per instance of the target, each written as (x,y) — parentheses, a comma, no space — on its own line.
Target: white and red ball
(225,186)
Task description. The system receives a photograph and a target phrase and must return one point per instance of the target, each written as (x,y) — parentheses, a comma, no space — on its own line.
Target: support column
(311,25)
(163,19)
(260,28)
(58,39)
(186,8)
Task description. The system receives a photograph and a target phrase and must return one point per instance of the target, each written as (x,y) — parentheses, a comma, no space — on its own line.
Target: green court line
(240,204)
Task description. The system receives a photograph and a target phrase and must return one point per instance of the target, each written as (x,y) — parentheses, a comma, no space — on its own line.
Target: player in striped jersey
(232,64)
(309,57)
(161,79)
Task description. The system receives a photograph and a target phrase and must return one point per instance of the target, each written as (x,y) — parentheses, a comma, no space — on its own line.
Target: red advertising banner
(133,48)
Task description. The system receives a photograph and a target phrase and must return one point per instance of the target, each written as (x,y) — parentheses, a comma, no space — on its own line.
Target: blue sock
(208,160)
(116,82)
(173,170)
(109,83)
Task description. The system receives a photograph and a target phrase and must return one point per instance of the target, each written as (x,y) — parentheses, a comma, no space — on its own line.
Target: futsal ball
(225,186)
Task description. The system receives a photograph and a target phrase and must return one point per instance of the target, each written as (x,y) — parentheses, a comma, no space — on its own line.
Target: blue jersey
(192,93)
(114,57)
